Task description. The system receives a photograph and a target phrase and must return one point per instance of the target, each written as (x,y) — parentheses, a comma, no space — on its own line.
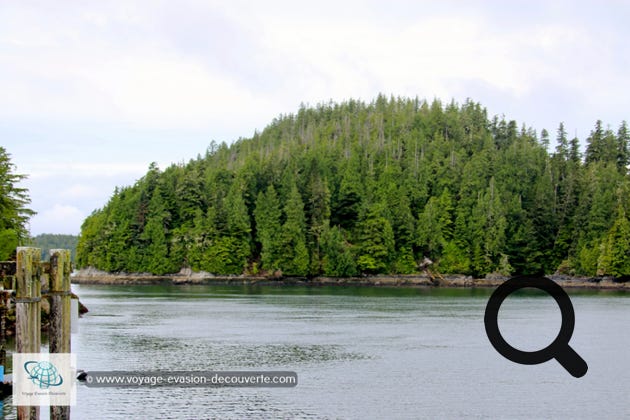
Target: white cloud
(121,62)
(170,91)
(81,70)
(57,219)
(80,191)
(43,170)
(428,57)
(88,83)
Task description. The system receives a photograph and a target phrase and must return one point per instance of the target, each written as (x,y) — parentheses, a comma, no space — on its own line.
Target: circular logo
(43,374)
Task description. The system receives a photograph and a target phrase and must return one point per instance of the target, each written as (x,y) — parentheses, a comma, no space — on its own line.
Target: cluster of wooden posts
(25,289)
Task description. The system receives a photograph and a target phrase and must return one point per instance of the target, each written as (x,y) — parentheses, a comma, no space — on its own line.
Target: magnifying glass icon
(559,349)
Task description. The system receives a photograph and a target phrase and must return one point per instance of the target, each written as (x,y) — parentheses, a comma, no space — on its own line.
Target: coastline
(186,277)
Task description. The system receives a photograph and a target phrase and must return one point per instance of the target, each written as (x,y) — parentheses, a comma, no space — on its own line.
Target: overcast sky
(92,92)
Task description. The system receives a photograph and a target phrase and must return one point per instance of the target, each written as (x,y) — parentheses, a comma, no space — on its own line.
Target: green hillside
(48,241)
(351,188)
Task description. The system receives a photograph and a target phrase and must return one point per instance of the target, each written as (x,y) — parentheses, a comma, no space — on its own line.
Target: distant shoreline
(91,276)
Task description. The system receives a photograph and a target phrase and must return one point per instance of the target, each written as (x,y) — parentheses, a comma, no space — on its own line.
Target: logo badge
(44,379)
(43,374)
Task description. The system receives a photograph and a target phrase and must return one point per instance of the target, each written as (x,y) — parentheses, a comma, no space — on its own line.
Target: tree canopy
(48,241)
(352,188)
(14,213)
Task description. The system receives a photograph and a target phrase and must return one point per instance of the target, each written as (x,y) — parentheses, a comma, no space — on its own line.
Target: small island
(356,190)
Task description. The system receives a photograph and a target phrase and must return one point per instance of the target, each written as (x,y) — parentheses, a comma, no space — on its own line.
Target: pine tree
(489,226)
(543,216)
(267,215)
(376,241)
(445,218)
(574,154)
(403,225)
(191,245)
(319,219)
(294,259)
(238,229)
(155,252)
(562,143)
(614,259)
(595,144)
(429,231)
(623,148)
(454,259)
(348,202)
(337,255)
(544,139)
(8,243)
(603,146)
(14,213)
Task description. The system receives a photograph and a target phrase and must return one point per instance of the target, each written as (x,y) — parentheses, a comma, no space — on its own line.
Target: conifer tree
(623,148)
(562,143)
(268,228)
(594,144)
(338,260)
(376,241)
(155,255)
(14,213)
(294,260)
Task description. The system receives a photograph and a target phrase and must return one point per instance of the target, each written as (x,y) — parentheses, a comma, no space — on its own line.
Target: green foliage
(614,259)
(405,262)
(376,241)
(14,213)
(349,188)
(155,255)
(8,243)
(268,228)
(48,241)
(623,148)
(338,260)
(429,234)
(225,255)
(453,259)
(294,259)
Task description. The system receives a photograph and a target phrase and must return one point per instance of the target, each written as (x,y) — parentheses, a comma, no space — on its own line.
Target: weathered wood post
(28,310)
(6,268)
(59,325)
(5,301)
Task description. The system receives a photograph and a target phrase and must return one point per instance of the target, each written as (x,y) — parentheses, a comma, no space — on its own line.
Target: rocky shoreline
(92,276)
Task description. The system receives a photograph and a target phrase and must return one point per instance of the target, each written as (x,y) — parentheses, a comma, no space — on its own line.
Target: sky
(92,92)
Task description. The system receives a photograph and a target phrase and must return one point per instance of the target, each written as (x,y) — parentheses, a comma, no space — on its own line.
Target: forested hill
(351,188)
(48,241)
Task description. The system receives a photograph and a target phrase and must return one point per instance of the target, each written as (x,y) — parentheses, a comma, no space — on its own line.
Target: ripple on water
(147,352)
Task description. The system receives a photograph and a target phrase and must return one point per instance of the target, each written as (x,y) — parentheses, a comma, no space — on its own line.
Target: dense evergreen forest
(355,188)
(48,241)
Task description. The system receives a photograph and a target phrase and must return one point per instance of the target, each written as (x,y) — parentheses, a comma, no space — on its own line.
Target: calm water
(359,352)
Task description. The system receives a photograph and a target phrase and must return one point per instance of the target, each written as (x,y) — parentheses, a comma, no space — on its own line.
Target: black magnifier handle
(571,361)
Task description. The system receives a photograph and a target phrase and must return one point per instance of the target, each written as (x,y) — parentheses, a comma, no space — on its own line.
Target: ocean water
(359,353)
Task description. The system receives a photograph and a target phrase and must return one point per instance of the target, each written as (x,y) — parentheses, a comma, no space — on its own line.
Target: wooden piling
(5,302)
(28,310)
(59,325)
